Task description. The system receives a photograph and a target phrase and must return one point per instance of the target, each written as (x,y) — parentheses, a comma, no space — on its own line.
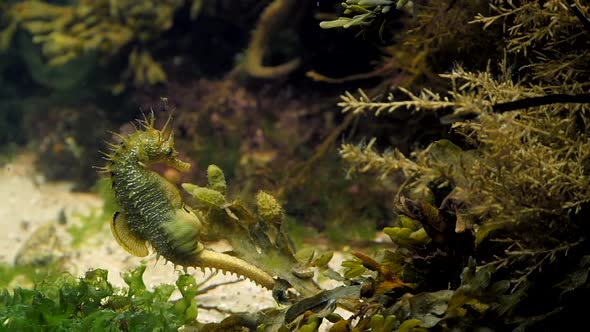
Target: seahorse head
(157,146)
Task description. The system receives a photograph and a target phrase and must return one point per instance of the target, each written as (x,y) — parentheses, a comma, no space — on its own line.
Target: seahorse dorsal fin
(126,239)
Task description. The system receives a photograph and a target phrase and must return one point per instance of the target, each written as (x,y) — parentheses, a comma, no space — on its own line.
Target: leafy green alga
(91,303)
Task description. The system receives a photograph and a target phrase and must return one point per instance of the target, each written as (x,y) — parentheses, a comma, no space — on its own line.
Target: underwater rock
(63,44)
(42,248)
(67,149)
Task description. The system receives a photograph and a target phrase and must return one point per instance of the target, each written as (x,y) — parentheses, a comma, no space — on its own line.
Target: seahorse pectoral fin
(126,239)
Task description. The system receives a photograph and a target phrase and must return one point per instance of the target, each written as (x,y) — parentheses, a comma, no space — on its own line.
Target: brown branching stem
(583,98)
(543,255)
(579,14)
(271,19)
(214,286)
(300,174)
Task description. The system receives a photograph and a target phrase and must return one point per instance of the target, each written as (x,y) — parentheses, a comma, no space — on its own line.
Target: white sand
(27,202)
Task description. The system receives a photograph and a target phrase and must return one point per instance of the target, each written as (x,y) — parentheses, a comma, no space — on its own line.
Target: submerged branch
(583,98)
(579,14)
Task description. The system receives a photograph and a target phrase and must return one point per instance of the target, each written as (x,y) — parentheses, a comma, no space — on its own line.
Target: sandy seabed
(28,203)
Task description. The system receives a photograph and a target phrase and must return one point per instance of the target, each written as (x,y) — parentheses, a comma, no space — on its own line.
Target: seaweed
(490,228)
(62,45)
(493,215)
(91,303)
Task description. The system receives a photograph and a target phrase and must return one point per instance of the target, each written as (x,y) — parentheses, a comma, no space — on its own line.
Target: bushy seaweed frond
(544,149)
(365,159)
(549,35)
(426,100)
(514,196)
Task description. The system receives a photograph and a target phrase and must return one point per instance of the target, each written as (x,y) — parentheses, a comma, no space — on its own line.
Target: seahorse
(152,212)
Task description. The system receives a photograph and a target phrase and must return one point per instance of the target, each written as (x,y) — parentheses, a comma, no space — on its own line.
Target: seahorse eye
(169,152)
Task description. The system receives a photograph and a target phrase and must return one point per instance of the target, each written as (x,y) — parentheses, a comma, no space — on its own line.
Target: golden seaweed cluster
(66,34)
(505,201)
(524,166)
(550,37)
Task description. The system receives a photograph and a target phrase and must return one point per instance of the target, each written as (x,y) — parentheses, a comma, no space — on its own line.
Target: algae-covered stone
(42,248)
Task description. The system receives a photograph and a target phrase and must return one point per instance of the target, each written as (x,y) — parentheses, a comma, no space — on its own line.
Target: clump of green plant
(24,275)
(364,13)
(91,303)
